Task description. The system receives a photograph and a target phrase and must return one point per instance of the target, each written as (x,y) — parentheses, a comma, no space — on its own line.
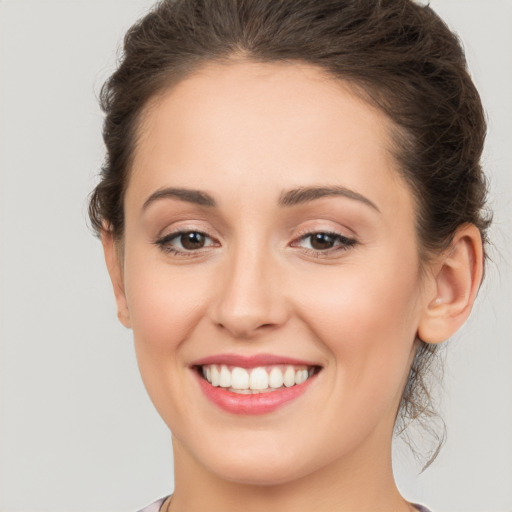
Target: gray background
(77,432)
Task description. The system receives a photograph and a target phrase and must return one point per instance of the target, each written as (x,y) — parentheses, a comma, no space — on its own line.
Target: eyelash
(165,243)
(342,243)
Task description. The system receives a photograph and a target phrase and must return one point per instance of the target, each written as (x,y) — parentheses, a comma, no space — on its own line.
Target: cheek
(164,302)
(375,294)
(165,306)
(367,317)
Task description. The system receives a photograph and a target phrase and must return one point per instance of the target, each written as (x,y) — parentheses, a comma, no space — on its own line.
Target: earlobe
(456,275)
(114,267)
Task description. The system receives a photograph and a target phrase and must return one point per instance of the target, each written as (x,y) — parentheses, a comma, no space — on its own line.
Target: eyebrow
(288,198)
(183,194)
(305,194)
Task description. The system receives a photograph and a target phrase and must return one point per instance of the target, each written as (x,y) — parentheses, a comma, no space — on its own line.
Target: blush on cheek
(366,316)
(165,301)
(161,321)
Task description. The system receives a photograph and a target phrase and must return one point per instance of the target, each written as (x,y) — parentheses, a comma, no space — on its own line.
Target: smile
(257,384)
(262,379)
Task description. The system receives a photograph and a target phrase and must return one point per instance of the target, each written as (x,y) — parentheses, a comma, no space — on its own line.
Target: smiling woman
(291,212)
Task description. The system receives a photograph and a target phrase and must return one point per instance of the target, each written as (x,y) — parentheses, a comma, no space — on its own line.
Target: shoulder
(154,507)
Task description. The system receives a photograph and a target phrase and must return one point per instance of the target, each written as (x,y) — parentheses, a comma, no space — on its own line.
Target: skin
(245,134)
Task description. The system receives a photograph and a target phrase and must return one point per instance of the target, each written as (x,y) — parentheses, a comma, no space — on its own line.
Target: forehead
(282,124)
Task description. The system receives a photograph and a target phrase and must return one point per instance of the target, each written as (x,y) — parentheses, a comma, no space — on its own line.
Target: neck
(361,482)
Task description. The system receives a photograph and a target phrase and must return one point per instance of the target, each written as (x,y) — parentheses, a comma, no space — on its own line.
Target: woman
(291,213)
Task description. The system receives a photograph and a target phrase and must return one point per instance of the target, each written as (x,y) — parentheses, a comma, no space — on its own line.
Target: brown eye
(185,242)
(322,241)
(192,240)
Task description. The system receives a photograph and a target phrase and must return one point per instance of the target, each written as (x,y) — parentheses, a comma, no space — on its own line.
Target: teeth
(258,379)
(239,378)
(289,377)
(275,379)
(301,376)
(224,377)
(215,376)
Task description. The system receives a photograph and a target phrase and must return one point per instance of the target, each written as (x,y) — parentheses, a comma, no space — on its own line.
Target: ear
(114,265)
(456,277)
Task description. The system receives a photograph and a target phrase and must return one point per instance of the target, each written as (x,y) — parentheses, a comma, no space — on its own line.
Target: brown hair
(398,55)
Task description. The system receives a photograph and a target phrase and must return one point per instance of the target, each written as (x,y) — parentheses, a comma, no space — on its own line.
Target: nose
(250,298)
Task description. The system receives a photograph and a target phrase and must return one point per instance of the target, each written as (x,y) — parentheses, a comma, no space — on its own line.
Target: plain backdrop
(77,431)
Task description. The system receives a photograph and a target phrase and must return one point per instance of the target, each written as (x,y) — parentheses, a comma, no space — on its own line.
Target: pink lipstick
(256,384)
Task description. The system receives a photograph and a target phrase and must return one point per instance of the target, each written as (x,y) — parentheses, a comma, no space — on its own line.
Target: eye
(324,242)
(185,241)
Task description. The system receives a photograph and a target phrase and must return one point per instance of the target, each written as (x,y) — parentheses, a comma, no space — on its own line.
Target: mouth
(257,384)
(257,380)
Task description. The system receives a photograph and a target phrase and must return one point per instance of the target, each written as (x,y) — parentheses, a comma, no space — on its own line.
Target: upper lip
(251,361)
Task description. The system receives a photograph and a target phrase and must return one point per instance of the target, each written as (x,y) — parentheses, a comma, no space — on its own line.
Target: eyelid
(176,234)
(321,226)
(164,242)
(341,242)
(334,234)
(312,228)
(346,242)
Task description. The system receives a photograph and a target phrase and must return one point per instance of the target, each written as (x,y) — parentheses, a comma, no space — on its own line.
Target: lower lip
(259,403)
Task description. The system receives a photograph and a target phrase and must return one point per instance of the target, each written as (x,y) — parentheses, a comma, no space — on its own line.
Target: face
(270,271)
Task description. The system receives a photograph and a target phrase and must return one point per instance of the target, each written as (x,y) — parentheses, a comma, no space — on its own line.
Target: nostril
(246,305)
(245,328)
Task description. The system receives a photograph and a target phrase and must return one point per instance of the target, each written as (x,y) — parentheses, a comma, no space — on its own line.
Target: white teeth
(224,377)
(301,376)
(289,376)
(256,380)
(240,378)
(275,379)
(259,379)
(215,376)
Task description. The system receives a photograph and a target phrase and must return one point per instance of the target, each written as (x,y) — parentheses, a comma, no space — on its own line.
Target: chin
(259,474)
(258,463)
